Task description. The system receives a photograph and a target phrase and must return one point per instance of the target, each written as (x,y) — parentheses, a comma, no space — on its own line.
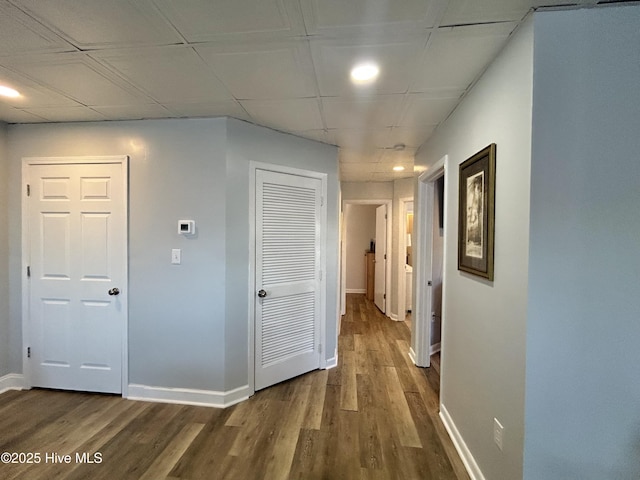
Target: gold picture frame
(476,213)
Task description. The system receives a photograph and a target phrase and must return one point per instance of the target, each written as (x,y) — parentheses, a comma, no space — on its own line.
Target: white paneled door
(288,276)
(77,273)
(379,283)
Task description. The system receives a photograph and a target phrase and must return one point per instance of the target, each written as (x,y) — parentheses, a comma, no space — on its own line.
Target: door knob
(114,291)
(262,293)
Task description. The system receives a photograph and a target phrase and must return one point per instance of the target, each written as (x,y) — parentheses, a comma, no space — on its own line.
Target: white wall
(187,323)
(483,344)
(4,256)
(583,331)
(361,229)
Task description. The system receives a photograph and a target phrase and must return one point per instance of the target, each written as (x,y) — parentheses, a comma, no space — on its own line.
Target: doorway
(75,262)
(356,245)
(430,264)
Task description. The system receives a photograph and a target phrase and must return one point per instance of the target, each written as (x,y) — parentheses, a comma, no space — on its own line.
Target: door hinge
(320,275)
(384,296)
(28,271)
(385,256)
(28,190)
(385,216)
(322,201)
(28,352)
(320,348)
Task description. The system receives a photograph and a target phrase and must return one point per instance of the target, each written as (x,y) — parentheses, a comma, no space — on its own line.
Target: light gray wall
(483,343)
(583,387)
(188,324)
(361,229)
(4,256)
(177,170)
(247,142)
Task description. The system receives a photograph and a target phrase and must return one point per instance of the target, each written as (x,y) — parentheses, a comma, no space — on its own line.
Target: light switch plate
(176,256)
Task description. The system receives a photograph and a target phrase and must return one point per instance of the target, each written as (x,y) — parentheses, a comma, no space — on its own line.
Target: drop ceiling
(283,64)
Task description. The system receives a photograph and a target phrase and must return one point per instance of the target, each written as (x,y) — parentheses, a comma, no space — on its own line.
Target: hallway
(375,416)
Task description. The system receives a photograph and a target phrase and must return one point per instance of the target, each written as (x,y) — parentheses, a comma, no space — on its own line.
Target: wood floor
(373,417)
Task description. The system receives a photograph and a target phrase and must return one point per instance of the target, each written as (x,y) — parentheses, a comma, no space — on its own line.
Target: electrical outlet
(498,433)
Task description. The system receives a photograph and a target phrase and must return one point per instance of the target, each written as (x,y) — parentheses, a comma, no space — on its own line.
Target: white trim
(412,356)
(423,228)
(124,298)
(188,396)
(356,290)
(253,166)
(402,255)
(12,381)
(387,284)
(461,447)
(332,362)
(435,348)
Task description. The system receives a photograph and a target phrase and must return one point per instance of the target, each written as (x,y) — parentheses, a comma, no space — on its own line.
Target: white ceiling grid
(283,64)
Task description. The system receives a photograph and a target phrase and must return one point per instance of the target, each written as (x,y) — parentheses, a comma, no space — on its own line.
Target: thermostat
(186,227)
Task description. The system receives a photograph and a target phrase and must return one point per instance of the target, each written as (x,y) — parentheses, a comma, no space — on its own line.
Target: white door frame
(251,294)
(423,247)
(26,292)
(402,258)
(343,252)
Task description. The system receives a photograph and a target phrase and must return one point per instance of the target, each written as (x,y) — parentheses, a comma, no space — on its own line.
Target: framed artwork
(476,213)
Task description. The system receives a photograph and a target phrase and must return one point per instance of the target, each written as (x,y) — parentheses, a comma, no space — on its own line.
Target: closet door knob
(262,293)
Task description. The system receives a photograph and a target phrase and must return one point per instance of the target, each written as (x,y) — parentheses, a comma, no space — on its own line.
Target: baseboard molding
(12,381)
(331,362)
(355,290)
(187,396)
(413,356)
(435,348)
(465,454)
(393,316)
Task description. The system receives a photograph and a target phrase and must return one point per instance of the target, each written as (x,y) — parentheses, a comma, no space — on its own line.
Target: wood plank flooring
(374,416)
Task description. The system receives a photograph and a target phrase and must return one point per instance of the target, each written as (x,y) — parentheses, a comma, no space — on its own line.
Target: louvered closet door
(287,276)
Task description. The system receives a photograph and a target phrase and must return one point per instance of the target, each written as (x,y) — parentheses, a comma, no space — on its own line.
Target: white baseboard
(356,290)
(393,316)
(331,362)
(12,381)
(465,454)
(435,348)
(187,396)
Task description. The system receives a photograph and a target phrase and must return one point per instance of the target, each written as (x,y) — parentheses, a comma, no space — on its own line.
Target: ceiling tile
(359,138)
(21,34)
(427,110)
(31,94)
(369,155)
(456,57)
(460,12)
(263,70)
(98,23)
(356,177)
(362,113)
(205,20)
(171,75)
(80,78)
(404,157)
(67,114)
(336,16)
(411,136)
(14,115)
(334,60)
(317,135)
(289,115)
(229,108)
(133,112)
(390,176)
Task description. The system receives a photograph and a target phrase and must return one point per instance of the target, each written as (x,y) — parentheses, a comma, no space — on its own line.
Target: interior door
(288,269)
(77,254)
(379,288)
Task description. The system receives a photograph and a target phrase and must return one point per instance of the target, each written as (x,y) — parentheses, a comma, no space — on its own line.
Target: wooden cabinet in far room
(370,259)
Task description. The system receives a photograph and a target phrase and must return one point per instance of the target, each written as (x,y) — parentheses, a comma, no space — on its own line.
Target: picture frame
(476,213)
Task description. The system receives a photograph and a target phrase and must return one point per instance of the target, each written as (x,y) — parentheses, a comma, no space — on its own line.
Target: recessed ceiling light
(8,92)
(398,168)
(364,73)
